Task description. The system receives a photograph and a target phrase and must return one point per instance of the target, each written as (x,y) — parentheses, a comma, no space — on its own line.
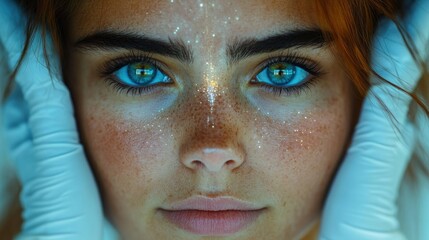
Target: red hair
(352,24)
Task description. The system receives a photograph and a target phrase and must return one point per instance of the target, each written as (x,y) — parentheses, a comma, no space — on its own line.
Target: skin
(209,133)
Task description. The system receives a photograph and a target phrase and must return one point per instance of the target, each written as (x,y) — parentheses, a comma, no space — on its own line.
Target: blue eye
(282,74)
(140,74)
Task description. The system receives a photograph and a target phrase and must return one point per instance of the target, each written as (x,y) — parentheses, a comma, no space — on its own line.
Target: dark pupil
(141,73)
(281,73)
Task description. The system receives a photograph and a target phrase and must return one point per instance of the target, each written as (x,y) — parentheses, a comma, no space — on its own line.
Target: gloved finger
(59,196)
(361,203)
(391,52)
(416,26)
(60,193)
(49,103)
(12,30)
(36,90)
(17,133)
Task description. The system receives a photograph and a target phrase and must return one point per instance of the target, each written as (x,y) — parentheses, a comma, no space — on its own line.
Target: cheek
(126,154)
(320,131)
(301,154)
(311,144)
(305,149)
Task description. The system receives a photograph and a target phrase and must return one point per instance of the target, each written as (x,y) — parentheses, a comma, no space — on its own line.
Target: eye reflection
(137,75)
(283,74)
(140,74)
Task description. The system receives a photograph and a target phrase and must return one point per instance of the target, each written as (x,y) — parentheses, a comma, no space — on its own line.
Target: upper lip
(203,203)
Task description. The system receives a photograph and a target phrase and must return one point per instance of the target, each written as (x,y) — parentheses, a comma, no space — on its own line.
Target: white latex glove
(361,204)
(59,195)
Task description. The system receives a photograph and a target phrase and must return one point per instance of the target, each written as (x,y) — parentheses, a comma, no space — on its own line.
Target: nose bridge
(211,138)
(212,122)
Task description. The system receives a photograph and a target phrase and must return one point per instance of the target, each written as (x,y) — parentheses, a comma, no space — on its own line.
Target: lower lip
(213,223)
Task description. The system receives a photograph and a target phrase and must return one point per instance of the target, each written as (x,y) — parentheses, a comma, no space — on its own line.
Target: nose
(212,138)
(213,159)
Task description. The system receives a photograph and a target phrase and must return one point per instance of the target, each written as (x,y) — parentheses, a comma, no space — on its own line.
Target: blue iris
(140,74)
(283,74)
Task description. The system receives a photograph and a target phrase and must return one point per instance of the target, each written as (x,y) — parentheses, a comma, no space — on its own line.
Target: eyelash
(310,66)
(112,66)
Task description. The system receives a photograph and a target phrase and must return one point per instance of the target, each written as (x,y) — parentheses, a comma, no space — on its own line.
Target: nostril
(230,162)
(197,164)
(213,159)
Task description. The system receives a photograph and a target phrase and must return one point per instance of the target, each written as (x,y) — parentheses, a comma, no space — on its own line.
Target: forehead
(193,20)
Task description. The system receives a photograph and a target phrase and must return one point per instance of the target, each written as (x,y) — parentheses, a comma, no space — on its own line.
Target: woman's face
(184,107)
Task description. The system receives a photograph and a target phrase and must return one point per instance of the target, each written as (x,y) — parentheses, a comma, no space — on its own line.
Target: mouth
(212,216)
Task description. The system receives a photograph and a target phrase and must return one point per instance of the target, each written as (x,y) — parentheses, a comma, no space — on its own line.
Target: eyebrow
(236,51)
(297,38)
(111,40)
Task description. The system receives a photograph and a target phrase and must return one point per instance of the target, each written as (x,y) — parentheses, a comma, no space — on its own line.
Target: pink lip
(212,216)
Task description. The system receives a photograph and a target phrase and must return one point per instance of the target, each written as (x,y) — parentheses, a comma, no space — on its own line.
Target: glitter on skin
(138,153)
(211,78)
(211,81)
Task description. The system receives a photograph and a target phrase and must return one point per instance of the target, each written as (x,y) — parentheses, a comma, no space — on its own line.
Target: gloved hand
(59,195)
(361,204)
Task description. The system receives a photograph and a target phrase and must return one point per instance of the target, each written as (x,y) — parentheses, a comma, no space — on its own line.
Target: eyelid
(129,90)
(108,69)
(311,66)
(111,66)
